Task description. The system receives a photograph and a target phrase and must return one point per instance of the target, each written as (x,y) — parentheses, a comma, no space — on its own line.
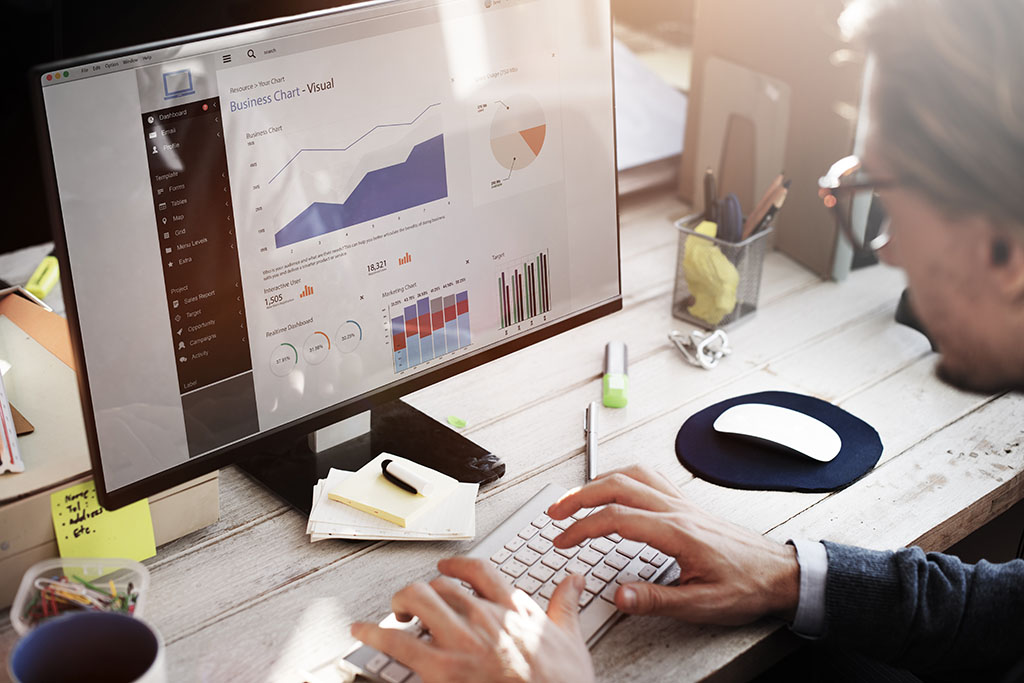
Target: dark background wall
(37,31)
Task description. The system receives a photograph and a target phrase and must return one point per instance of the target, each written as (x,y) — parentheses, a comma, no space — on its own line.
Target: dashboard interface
(266,224)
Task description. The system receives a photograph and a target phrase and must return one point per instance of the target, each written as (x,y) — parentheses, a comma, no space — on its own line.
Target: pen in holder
(717,282)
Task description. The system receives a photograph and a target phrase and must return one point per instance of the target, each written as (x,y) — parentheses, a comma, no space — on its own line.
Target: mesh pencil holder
(717,282)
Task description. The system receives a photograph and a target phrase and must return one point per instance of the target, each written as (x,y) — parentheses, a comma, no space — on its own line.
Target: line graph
(420,179)
(354,142)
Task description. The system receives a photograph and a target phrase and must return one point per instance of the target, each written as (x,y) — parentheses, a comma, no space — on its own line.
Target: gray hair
(948,98)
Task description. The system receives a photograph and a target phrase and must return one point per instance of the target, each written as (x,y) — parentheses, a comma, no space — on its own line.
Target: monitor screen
(279,225)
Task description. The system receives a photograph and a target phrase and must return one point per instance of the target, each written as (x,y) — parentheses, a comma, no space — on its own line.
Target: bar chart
(429,328)
(524,290)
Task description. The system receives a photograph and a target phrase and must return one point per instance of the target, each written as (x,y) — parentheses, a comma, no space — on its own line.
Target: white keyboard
(521,549)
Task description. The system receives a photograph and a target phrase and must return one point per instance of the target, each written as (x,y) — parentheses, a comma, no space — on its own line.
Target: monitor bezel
(288,433)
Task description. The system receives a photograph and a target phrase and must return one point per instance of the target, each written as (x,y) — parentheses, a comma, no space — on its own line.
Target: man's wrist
(812,557)
(784,590)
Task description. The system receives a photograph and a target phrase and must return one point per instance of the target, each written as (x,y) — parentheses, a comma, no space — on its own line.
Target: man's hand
(729,575)
(502,635)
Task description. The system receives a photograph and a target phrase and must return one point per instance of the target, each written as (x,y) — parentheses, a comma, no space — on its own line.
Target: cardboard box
(41,382)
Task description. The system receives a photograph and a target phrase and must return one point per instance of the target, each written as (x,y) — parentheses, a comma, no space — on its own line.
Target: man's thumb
(564,606)
(646,598)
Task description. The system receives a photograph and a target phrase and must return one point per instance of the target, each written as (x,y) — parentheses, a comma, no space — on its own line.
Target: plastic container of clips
(717,283)
(59,586)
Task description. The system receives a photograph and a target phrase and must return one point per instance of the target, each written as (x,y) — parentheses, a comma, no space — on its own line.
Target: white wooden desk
(250,598)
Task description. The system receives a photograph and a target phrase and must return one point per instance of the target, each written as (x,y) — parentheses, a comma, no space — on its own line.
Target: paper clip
(703,349)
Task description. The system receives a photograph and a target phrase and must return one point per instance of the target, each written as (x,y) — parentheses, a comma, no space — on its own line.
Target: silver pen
(590,429)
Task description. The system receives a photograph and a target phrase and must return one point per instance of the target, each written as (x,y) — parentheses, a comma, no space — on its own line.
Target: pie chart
(517,132)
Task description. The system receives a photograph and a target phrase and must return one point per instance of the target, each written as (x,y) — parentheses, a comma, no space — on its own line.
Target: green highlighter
(616,381)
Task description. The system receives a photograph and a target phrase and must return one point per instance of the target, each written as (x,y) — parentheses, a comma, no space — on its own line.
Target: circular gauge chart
(517,132)
(284,359)
(315,348)
(349,335)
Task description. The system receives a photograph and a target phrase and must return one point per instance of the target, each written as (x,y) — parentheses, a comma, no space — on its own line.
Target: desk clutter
(372,504)
(56,587)
(721,253)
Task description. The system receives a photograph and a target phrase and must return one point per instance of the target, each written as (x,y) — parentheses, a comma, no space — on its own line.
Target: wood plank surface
(250,598)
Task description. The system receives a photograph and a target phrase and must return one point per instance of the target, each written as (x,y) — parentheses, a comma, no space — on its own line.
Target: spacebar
(594,616)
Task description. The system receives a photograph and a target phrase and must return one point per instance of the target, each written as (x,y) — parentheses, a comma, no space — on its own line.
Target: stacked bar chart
(523,290)
(429,328)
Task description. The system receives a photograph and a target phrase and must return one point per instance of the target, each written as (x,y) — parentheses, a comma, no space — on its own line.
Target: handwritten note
(84,528)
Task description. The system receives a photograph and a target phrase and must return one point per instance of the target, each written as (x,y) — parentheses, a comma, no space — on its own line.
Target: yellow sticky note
(84,528)
(369,491)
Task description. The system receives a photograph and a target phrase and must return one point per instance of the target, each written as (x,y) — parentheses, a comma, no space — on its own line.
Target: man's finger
(420,600)
(688,602)
(473,609)
(618,488)
(402,645)
(650,476)
(647,527)
(564,606)
(484,578)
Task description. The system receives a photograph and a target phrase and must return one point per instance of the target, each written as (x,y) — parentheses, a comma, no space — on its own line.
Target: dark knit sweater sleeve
(930,613)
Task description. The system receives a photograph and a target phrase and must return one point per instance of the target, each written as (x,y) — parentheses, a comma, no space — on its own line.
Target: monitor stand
(395,427)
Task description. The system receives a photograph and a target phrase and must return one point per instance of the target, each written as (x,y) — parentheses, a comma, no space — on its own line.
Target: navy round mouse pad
(741,463)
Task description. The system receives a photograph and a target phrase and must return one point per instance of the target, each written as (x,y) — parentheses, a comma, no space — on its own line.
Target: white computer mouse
(792,430)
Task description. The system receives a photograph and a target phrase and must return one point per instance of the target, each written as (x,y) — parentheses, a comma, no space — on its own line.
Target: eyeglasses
(845,186)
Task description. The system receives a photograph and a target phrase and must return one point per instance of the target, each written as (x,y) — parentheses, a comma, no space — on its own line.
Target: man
(946,157)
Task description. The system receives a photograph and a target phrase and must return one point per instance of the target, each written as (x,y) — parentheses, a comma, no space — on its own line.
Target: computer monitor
(268,229)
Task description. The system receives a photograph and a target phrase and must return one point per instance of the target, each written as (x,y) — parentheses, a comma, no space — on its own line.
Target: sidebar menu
(199,255)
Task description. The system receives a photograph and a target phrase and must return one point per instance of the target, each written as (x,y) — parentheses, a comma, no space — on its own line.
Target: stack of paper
(450,516)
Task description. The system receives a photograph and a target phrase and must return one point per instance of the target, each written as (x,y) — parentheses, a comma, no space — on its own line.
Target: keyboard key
(394,673)
(604,572)
(659,559)
(577,567)
(629,548)
(554,560)
(543,573)
(647,554)
(539,545)
(514,568)
(559,575)
(614,538)
(585,598)
(377,662)
(594,584)
(527,556)
(602,545)
(628,577)
(528,533)
(590,556)
(616,561)
(541,521)
(609,592)
(568,552)
(547,590)
(581,513)
(515,544)
(550,532)
(647,572)
(563,523)
(500,556)
(542,601)
(528,585)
